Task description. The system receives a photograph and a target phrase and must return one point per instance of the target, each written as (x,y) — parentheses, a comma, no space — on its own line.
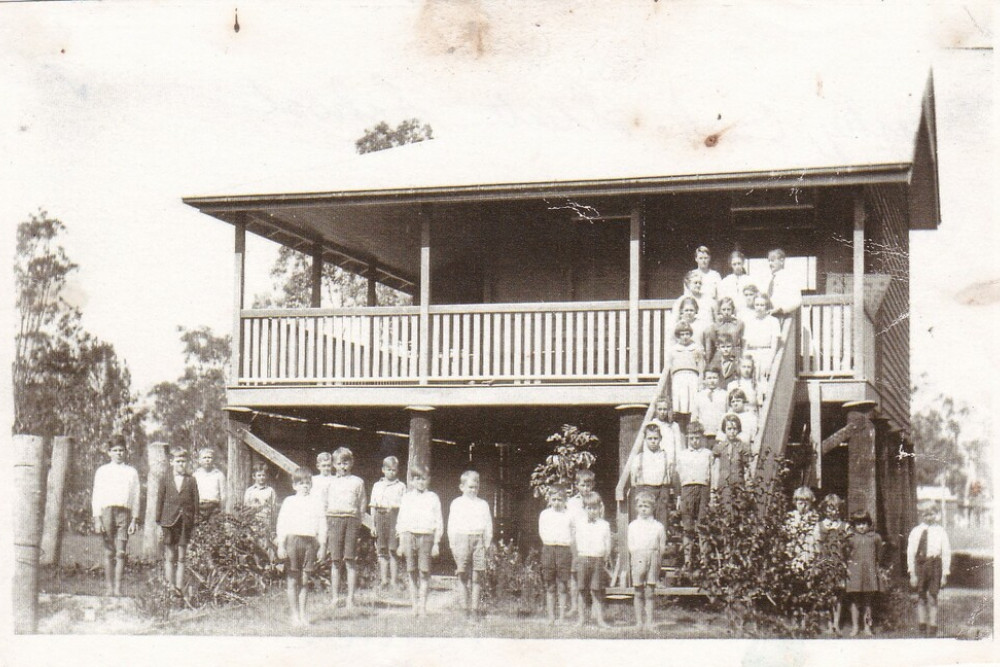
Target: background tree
(943,455)
(380,137)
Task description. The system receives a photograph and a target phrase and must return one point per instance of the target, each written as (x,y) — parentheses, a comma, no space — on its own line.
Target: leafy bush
(78,516)
(571,452)
(514,582)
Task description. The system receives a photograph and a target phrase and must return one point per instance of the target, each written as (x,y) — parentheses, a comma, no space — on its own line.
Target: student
(687,361)
(704,314)
(862,570)
(711,280)
(584,481)
(555,528)
(727,325)
(760,338)
(176,514)
(344,504)
(652,469)
(694,467)
(746,382)
(732,285)
(115,506)
(928,561)
(384,504)
(687,309)
(324,464)
(748,420)
(260,496)
(800,528)
(785,296)
(732,458)
(831,533)
(710,404)
(744,306)
(301,537)
(592,541)
(470,534)
(419,528)
(671,440)
(211,484)
(726,360)
(647,539)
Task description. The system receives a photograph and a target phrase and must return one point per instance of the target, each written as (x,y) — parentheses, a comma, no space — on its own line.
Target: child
(176,514)
(800,528)
(710,277)
(384,504)
(748,420)
(687,361)
(647,540)
(301,537)
(584,482)
(694,467)
(928,560)
(733,284)
(782,291)
(744,307)
(555,528)
(261,497)
(344,504)
(862,569)
(115,506)
(726,360)
(727,324)
(419,528)
(688,310)
(760,337)
(831,535)
(733,458)
(747,384)
(324,463)
(211,484)
(704,316)
(710,404)
(652,471)
(470,534)
(592,541)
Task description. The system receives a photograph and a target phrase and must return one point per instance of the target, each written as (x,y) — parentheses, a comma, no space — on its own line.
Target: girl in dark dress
(862,570)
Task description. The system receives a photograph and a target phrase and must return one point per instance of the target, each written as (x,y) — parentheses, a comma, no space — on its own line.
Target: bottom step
(688,591)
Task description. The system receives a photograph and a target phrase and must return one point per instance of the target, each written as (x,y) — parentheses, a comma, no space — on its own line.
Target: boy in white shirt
(584,480)
(324,463)
(555,528)
(652,470)
(384,504)
(115,506)
(344,503)
(592,541)
(211,485)
(301,538)
(710,404)
(470,534)
(647,540)
(419,528)
(928,561)
(694,467)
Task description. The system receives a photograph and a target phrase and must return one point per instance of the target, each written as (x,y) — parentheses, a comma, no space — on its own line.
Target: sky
(120,109)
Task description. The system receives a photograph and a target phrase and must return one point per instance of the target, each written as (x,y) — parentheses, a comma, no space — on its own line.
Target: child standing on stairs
(687,361)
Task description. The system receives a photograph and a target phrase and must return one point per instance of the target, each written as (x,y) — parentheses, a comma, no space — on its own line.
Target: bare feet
(854,631)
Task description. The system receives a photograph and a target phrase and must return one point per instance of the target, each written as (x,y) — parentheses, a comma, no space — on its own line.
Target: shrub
(78,516)
(571,452)
(514,582)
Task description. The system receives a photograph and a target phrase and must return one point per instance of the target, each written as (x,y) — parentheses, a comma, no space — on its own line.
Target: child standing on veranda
(555,528)
(711,280)
(733,284)
(384,504)
(176,514)
(470,534)
(694,467)
(301,537)
(647,539)
(344,504)
(584,481)
(419,528)
(115,506)
(862,570)
(761,334)
(592,541)
(211,484)
(928,560)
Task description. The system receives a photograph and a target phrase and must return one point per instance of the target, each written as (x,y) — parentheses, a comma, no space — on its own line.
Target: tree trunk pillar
(630,418)
(28,453)
(240,459)
(419,450)
(862,483)
(55,494)
(156,456)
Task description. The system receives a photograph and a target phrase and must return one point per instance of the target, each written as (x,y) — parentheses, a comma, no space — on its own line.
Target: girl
(760,337)
(747,383)
(710,277)
(733,284)
(694,286)
(687,310)
(744,305)
(687,362)
(831,534)
(728,323)
(862,570)
(800,528)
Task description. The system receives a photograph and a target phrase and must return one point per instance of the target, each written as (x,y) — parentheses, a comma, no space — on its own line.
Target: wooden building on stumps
(543,270)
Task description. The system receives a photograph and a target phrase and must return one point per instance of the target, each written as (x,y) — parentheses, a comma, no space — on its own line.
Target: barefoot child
(419,528)
(211,484)
(386,494)
(862,570)
(647,540)
(115,505)
(301,537)
(324,463)
(176,514)
(592,539)
(584,482)
(928,560)
(344,504)
(555,528)
(694,467)
(470,534)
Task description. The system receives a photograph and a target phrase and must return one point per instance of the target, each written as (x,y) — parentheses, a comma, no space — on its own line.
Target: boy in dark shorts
(176,514)
(384,503)
(592,539)
(301,537)
(555,528)
(928,560)
(419,528)
(115,505)
(345,505)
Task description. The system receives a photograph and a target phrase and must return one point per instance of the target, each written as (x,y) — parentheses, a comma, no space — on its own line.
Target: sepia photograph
(470,319)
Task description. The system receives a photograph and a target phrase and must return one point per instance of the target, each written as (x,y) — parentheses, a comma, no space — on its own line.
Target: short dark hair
(260,466)
(177,450)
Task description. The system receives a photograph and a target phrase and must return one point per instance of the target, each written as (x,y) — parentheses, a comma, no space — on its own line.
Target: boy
(260,496)
(725,359)
(710,404)
(785,295)
(344,503)
(470,534)
(556,532)
(301,537)
(176,514)
(211,484)
(647,540)
(592,541)
(115,506)
(694,467)
(652,471)
(384,504)
(928,561)
(419,528)
(710,277)
(324,463)
(584,481)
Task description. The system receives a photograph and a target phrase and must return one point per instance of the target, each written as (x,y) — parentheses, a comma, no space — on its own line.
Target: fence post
(156,456)
(28,451)
(55,495)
